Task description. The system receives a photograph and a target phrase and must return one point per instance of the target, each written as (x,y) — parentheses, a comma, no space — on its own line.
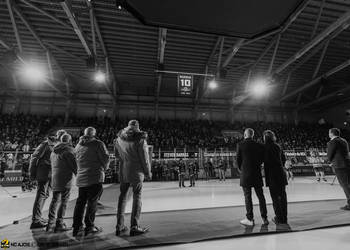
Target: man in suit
(132,150)
(250,156)
(275,177)
(338,155)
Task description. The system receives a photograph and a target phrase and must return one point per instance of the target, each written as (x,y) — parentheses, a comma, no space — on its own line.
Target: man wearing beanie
(63,165)
(132,150)
(92,160)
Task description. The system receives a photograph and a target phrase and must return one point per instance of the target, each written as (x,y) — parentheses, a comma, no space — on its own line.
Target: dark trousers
(181,180)
(87,195)
(279,202)
(136,204)
(206,175)
(192,180)
(42,193)
(60,199)
(222,175)
(343,175)
(249,203)
(211,172)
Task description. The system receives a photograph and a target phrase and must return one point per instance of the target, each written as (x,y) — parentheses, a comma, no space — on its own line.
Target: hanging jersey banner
(185,84)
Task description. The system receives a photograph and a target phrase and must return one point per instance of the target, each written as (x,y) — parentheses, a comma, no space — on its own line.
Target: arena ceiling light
(32,73)
(260,88)
(100,77)
(213,84)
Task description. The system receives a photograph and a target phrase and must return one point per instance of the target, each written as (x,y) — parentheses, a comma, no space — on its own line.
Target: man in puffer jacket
(63,165)
(40,171)
(92,159)
(132,150)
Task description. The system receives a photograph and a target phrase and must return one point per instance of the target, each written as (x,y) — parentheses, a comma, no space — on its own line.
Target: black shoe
(265,221)
(44,220)
(50,228)
(279,222)
(62,228)
(77,231)
(134,231)
(346,207)
(38,224)
(274,220)
(318,180)
(92,230)
(120,230)
(324,179)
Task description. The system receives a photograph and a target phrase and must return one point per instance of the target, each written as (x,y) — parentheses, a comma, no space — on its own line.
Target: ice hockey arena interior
(162,124)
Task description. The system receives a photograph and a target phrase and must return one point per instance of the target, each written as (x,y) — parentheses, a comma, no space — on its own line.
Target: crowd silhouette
(17,131)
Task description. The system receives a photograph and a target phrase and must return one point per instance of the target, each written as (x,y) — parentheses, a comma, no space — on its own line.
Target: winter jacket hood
(63,166)
(132,150)
(130,135)
(85,139)
(62,147)
(92,159)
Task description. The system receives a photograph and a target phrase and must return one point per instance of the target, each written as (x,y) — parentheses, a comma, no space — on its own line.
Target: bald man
(92,159)
(250,156)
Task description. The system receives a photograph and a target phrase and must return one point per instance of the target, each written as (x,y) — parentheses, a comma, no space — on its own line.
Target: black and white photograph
(174,124)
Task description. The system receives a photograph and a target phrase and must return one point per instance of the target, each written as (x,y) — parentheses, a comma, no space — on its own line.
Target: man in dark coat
(196,169)
(275,176)
(250,155)
(181,171)
(40,171)
(132,150)
(92,159)
(338,155)
(192,174)
(222,170)
(64,166)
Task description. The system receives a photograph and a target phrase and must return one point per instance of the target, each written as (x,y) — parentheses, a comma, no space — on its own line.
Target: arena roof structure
(305,58)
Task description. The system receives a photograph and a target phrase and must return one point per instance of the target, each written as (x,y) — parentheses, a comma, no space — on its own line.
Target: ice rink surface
(166,196)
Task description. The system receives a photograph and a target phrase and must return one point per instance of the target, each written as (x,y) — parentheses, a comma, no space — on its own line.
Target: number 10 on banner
(185,84)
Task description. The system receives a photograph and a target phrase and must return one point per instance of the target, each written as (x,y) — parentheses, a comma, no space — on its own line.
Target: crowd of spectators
(23,132)
(26,131)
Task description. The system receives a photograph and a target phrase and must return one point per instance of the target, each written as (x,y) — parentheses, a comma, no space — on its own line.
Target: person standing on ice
(132,150)
(250,156)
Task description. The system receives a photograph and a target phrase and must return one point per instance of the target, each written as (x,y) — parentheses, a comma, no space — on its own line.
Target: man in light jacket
(63,165)
(92,159)
(132,150)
